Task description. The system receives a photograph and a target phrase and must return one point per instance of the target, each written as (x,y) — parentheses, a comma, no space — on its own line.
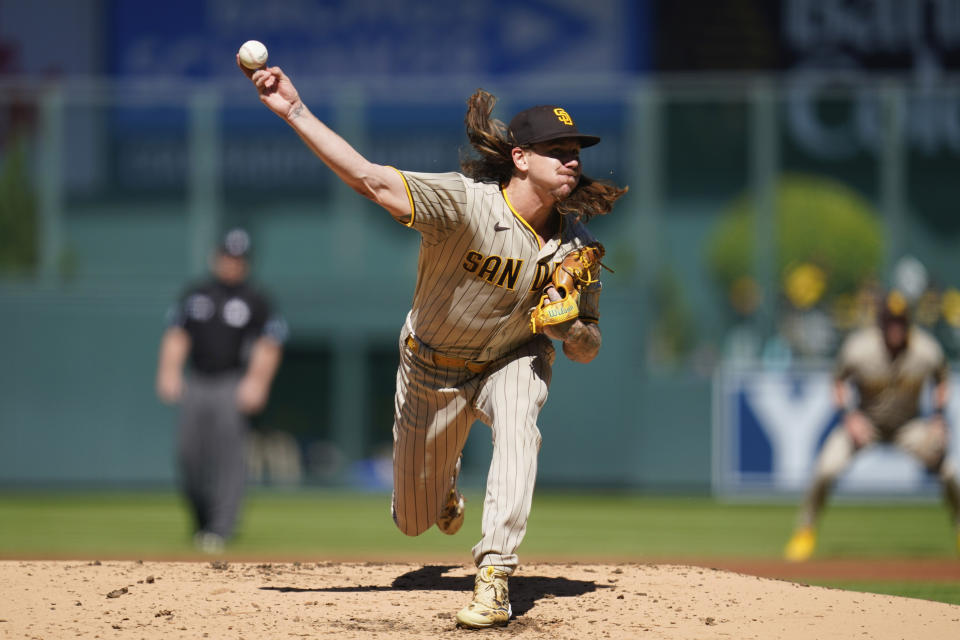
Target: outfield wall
(126,186)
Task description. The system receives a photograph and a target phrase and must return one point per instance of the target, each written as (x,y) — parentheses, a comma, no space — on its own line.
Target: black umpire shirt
(223,322)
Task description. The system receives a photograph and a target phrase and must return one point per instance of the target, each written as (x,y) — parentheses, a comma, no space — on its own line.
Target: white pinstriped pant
(434,410)
(917,437)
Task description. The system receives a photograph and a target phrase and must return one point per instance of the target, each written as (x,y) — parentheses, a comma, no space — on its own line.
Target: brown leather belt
(445,361)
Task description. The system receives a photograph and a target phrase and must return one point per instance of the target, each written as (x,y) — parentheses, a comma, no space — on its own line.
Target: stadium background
(829,130)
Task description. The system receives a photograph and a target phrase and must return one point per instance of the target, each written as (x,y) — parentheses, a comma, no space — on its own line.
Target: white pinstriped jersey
(481,267)
(890,389)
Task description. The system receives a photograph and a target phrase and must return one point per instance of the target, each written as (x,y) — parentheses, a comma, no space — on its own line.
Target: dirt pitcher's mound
(243,600)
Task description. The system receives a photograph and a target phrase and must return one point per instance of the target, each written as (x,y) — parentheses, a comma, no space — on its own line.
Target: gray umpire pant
(212,451)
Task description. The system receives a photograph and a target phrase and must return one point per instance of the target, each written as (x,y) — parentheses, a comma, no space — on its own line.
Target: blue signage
(769,427)
(354,37)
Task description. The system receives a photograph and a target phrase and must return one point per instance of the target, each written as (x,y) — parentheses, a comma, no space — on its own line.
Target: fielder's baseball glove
(579,269)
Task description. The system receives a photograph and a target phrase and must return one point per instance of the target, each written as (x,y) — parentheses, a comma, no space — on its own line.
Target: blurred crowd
(809,326)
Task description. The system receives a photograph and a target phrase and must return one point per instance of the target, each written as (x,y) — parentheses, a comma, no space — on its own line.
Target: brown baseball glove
(579,269)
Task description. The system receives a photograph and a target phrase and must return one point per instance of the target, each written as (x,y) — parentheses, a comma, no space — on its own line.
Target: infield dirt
(62,599)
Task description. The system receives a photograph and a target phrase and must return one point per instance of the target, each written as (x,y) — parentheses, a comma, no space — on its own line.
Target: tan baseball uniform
(889,389)
(889,392)
(481,270)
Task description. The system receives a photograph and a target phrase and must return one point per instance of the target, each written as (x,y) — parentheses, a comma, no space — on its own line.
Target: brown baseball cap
(546,122)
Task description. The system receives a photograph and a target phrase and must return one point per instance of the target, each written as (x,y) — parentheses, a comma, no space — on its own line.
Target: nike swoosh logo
(499,227)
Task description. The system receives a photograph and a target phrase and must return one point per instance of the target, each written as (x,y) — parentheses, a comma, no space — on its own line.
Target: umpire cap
(546,122)
(236,244)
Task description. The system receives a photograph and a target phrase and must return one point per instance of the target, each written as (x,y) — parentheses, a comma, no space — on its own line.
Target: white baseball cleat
(209,542)
(491,601)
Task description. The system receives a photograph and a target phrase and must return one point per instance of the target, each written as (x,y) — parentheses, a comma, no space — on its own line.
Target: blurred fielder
(888,365)
(476,344)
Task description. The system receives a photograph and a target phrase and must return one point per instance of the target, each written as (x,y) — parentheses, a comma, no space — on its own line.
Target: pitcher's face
(554,166)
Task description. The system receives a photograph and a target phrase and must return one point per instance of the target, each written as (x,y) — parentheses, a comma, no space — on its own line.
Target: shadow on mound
(524,590)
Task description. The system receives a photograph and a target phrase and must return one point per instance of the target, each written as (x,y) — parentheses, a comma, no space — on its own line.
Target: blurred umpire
(888,365)
(232,339)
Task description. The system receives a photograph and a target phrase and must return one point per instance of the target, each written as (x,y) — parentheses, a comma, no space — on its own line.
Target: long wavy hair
(493,162)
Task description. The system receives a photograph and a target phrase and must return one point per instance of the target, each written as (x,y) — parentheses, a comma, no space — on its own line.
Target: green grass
(565,526)
(315,525)
(948,592)
(649,527)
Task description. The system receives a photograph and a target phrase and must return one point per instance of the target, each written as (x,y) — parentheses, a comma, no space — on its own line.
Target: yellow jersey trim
(520,218)
(413,209)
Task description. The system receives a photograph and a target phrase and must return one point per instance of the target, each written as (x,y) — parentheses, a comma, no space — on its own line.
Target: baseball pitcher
(506,265)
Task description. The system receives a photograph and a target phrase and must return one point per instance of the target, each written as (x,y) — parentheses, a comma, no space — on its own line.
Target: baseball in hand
(253,54)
